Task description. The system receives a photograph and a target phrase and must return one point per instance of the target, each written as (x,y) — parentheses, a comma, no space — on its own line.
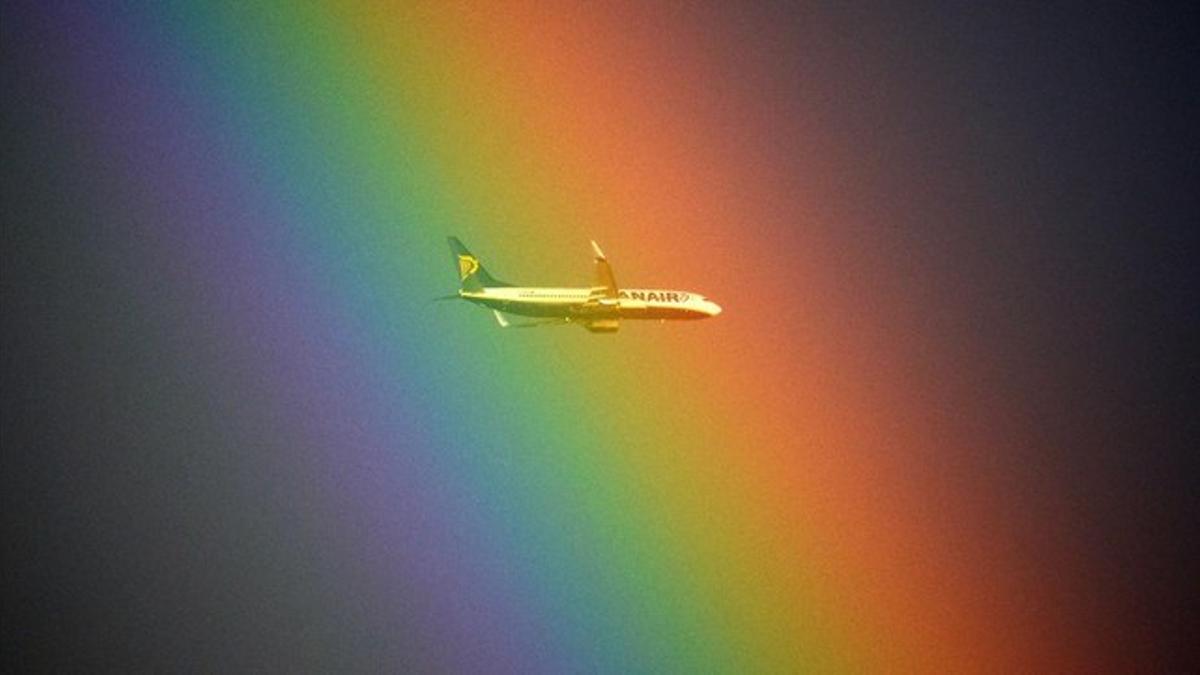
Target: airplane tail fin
(471,274)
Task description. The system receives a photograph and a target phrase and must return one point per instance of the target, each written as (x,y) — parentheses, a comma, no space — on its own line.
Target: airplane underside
(595,319)
(595,325)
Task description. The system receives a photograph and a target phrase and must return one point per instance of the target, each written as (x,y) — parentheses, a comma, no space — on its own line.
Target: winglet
(603,283)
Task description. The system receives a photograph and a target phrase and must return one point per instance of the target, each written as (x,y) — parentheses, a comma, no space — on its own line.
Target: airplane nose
(715,309)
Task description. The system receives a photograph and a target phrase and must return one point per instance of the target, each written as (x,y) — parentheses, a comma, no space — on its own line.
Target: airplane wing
(602,300)
(603,283)
(505,323)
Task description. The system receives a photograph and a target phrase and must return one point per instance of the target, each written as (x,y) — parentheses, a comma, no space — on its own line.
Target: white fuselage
(571,303)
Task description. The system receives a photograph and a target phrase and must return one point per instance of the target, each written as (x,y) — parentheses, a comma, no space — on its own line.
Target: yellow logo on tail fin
(467,265)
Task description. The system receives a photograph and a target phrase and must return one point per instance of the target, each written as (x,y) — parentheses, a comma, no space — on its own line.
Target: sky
(945,422)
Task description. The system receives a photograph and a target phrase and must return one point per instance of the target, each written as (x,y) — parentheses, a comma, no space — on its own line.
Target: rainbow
(804,483)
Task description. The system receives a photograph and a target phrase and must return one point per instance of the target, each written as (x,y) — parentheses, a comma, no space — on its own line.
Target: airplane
(599,308)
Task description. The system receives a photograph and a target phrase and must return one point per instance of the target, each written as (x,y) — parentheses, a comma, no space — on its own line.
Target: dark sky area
(1080,118)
